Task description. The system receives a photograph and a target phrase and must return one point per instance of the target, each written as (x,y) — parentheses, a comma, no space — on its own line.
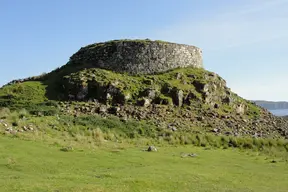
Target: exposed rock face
(82,93)
(194,86)
(138,56)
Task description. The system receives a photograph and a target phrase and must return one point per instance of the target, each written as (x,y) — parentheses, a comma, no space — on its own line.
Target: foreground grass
(37,166)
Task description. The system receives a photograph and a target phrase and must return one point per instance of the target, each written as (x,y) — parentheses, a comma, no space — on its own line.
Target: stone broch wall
(138,56)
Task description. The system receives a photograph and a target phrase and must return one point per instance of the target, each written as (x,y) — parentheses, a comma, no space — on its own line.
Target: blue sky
(244,41)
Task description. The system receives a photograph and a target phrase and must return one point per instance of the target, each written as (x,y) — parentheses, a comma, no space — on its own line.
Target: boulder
(178,97)
(152,149)
(103,109)
(83,92)
(145,102)
(240,109)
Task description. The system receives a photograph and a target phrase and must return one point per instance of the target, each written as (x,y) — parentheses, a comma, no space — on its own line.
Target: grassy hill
(80,128)
(188,99)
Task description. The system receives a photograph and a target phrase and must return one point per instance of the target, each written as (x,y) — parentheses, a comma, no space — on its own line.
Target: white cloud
(262,21)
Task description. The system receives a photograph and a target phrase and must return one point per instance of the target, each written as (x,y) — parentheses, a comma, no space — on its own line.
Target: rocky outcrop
(194,85)
(180,100)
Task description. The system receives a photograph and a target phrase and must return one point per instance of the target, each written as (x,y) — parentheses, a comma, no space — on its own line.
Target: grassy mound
(198,87)
(186,98)
(190,98)
(21,95)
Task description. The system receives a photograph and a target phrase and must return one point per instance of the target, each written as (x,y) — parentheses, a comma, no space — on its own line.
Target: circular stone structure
(138,56)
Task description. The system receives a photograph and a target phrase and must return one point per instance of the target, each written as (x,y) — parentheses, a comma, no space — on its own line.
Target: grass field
(39,166)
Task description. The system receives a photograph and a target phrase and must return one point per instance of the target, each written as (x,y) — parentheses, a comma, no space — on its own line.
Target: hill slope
(184,99)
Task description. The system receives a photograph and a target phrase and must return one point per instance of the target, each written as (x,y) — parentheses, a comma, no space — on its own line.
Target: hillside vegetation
(189,99)
(82,128)
(91,153)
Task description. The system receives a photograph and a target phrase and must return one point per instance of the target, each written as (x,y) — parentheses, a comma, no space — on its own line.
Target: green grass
(37,166)
(21,95)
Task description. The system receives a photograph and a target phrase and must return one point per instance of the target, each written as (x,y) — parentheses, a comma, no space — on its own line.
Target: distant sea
(279,112)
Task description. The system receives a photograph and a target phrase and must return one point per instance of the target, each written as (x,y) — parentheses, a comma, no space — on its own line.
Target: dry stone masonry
(138,56)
